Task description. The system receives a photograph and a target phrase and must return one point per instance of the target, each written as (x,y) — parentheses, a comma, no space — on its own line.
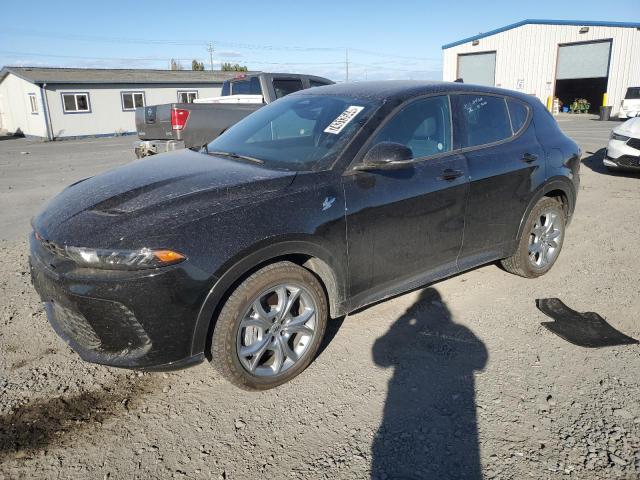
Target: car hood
(630,128)
(157,187)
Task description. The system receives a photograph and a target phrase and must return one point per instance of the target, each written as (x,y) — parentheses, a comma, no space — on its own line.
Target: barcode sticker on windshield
(343,119)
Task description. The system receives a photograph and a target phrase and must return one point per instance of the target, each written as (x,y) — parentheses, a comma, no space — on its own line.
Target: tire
(258,343)
(539,239)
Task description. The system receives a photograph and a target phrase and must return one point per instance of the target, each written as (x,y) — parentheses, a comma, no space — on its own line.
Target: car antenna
(458,80)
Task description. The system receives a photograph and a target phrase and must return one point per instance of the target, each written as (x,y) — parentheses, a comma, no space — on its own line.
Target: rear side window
(633,93)
(481,119)
(317,83)
(285,86)
(424,126)
(518,113)
(250,86)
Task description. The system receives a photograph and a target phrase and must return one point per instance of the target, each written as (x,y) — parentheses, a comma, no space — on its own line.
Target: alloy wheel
(276,330)
(545,239)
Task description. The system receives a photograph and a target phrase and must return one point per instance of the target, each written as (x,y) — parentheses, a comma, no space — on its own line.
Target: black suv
(315,205)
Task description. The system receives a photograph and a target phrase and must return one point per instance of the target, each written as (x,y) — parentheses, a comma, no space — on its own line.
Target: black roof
(404,89)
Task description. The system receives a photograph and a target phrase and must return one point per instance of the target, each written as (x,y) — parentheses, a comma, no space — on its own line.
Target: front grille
(75,326)
(628,161)
(634,143)
(104,327)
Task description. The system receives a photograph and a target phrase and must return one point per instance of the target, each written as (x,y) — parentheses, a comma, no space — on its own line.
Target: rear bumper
(153,147)
(135,320)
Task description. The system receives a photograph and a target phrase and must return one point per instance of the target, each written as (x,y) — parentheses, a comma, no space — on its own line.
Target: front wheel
(270,328)
(541,241)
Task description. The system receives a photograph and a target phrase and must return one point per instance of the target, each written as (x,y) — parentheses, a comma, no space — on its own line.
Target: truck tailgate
(154,122)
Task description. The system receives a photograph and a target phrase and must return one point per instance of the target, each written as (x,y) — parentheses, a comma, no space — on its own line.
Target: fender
(322,263)
(555,183)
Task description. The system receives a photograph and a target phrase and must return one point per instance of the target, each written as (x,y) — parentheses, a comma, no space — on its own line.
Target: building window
(132,100)
(76,103)
(187,97)
(33,103)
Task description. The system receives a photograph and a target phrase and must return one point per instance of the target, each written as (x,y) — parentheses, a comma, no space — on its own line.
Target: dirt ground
(458,380)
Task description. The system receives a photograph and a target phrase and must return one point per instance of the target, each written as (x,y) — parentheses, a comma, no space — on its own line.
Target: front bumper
(129,319)
(619,155)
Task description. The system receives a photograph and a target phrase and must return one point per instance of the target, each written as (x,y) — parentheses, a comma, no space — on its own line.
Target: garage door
(584,60)
(478,68)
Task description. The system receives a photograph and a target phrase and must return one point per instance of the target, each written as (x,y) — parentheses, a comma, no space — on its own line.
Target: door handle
(529,157)
(450,174)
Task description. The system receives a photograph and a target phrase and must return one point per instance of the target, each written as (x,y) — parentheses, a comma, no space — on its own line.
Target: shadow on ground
(429,429)
(45,422)
(593,160)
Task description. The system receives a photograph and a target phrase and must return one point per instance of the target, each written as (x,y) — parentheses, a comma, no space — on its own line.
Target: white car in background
(623,151)
(630,106)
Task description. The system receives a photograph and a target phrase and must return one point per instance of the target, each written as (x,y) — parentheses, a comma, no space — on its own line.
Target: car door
(406,224)
(506,165)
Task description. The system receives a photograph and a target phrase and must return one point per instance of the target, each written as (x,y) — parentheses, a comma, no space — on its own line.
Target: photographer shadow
(429,429)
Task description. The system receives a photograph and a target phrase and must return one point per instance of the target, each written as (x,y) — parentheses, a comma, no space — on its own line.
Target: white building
(51,103)
(552,58)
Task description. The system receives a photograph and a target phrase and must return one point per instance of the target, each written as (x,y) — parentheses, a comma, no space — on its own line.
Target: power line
(393,55)
(51,55)
(247,46)
(383,67)
(162,59)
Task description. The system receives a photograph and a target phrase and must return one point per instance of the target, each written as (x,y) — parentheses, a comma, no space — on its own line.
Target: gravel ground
(458,380)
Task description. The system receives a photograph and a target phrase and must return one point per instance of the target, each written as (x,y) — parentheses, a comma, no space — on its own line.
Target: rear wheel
(541,241)
(270,328)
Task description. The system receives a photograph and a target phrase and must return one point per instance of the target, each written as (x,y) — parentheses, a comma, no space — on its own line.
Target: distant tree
(227,67)
(176,65)
(198,66)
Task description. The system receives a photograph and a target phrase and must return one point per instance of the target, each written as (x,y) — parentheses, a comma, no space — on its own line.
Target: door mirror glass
(386,155)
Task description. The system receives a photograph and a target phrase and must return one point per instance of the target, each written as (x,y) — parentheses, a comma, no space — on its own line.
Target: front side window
(75,102)
(33,103)
(187,97)
(297,133)
(424,126)
(132,100)
(481,119)
(285,86)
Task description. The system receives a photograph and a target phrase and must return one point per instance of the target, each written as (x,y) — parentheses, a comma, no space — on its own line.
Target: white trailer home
(54,103)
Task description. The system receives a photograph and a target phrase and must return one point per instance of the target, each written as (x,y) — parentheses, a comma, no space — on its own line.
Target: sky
(390,39)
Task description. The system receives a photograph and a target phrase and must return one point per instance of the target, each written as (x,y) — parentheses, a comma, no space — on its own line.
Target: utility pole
(210,50)
(346,63)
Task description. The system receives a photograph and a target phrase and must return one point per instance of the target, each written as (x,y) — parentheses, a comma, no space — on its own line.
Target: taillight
(179,117)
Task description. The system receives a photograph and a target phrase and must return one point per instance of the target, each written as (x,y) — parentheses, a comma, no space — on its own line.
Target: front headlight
(123,259)
(615,136)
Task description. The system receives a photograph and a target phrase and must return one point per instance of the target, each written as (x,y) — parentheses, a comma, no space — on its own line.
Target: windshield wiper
(236,155)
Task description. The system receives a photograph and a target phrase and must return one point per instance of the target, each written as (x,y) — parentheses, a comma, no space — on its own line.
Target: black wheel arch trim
(320,262)
(562,184)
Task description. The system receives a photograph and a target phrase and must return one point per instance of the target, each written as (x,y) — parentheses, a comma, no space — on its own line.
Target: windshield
(633,93)
(297,133)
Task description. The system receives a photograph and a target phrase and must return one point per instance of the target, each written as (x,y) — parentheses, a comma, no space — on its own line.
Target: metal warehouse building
(596,61)
(52,103)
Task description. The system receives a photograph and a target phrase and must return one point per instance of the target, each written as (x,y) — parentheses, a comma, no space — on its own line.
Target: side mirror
(387,155)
